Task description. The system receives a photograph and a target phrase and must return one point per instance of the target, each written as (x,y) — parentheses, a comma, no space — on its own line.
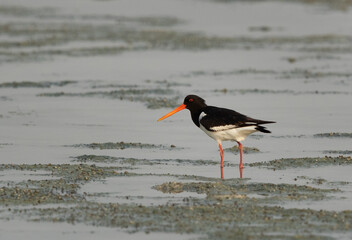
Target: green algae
(62,189)
(308,73)
(165,102)
(122,145)
(116,160)
(334,135)
(234,189)
(299,73)
(235,149)
(342,5)
(134,161)
(95,158)
(41,192)
(269,91)
(321,181)
(28,84)
(289,136)
(241,217)
(317,181)
(71,172)
(169,84)
(130,86)
(51,13)
(342,152)
(141,39)
(35,196)
(253,91)
(157,21)
(5,98)
(232,72)
(20,11)
(228,208)
(5,144)
(148,96)
(121,93)
(307,162)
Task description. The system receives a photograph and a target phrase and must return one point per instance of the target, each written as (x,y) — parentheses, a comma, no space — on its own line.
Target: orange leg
(241,156)
(222,161)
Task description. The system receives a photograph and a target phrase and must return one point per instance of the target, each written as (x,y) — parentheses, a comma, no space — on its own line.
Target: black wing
(217,117)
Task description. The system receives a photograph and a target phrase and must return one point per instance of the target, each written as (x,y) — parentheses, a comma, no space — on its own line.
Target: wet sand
(81,88)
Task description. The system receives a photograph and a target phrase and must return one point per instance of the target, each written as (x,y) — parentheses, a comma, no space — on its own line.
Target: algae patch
(285,163)
(297,73)
(233,189)
(342,152)
(95,158)
(284,91)
(52,190)
(341,5)
(29,84)
(212,220)
(235,149)
(134,161)
(40,192)
(72,172)
(123,145)
(334,135)
(51,36)
(229,207)
(153,98)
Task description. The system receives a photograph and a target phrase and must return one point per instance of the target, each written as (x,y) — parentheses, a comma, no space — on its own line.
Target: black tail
(262,129)
(263,121)
(258,123)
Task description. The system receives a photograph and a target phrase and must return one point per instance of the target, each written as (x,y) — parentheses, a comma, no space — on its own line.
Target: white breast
(225,133)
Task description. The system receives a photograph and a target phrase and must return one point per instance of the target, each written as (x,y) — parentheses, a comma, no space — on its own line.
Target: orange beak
(179,108)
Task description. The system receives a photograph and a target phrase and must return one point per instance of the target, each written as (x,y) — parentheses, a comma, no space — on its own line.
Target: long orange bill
(179,108)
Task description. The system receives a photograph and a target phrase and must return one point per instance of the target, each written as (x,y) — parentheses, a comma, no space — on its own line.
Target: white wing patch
(222,128)
(202,114)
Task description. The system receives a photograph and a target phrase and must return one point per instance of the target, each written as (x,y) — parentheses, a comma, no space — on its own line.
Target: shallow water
(74,74)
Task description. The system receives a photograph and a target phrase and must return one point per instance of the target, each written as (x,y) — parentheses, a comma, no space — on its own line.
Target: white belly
(233,134)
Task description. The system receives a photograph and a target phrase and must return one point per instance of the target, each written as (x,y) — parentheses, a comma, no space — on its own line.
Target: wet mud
(285,163)
(224,212)
(230,206)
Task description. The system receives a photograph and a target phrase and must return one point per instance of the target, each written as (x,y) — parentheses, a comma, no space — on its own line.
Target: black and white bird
(221,124)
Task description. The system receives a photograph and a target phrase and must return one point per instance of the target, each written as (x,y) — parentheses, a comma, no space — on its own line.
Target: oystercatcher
(221,124)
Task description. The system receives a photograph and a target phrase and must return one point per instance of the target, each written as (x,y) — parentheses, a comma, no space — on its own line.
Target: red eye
(190,100)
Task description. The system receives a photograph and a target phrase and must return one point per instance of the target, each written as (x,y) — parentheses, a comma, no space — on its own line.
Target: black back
(215,116)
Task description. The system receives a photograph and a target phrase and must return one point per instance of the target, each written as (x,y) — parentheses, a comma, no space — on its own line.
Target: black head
(194,102)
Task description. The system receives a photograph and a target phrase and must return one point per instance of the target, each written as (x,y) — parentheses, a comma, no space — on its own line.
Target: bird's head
(191,102)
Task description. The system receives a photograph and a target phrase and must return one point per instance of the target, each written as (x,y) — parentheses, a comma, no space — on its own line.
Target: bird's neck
(195,113)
